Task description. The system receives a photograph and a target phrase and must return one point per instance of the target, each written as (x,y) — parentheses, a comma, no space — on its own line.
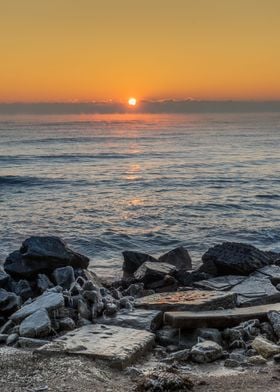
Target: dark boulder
(178,257)
(133,260)
(235,258)
(23,289)
(42,255)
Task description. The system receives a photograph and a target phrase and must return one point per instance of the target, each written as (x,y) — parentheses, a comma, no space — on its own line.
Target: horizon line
(144,106)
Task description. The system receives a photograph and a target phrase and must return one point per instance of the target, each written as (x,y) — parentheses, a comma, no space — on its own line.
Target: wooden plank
(218,318)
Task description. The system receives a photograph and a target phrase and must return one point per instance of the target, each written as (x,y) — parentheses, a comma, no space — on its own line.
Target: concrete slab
(188,300)
(272,272)
(150,320)
(218,318)
(119,346)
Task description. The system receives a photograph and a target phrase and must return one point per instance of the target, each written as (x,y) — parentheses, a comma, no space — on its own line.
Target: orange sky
(63,50)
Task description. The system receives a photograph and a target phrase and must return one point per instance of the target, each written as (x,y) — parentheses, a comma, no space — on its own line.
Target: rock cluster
(46,289)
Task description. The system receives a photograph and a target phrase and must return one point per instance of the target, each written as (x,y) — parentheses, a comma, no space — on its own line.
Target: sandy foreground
(20,370)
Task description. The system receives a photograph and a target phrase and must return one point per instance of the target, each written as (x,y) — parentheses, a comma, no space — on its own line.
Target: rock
(149,272)
(168,283)
(127,303)
(182,355)
(255,291)
(188,278)
(149,320)
(30,343)
(83,310)
(251,352)
(206,351)
(239,335)
(43,283)
(274,318)
(133,260)
(119,346)
(178,257)
(235,258)
(271,272)
(23,289)
(256,360)
(276,358)
(231,363)
(222,283)
(110,309)
(6,328)
(64,277)
(167,336)
(4,278)
(264,347)
(12,339)
(42,255)
(212,334)
(238,356)
(196,300)
(267,331)
(38,324)
(67,324)
(3,337)
(9,302)
(48,300)
(135,290)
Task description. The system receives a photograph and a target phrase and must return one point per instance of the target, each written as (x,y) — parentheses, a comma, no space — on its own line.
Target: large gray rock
(133,260)
(149,272)
(234,258)
(64,277)
(49,301)
(255,291)
(9,302)
(274,318)
(207,351)
(38,324)
(42,255)
(150,320)
(179,257)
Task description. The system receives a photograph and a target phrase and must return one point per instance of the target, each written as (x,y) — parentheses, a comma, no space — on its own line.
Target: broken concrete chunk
(178,257)
(272,272)
(150,272)
(255,291)
(38,324)
(119,346)
(207,351)
(220,283)
(149,320)
(133,260)
(264,347)
(188,300)
(48,300)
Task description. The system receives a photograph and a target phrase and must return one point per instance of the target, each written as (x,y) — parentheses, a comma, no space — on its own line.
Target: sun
(132,101)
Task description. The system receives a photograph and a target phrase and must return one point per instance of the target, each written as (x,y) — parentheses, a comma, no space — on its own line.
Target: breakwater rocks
(49,299)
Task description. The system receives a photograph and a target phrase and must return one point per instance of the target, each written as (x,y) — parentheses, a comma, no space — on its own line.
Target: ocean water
(139,182)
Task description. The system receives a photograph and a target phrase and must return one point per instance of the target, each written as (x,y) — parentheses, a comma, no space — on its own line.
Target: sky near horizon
(68,50)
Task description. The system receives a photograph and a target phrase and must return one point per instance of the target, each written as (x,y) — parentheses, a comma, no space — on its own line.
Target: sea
(150,183)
